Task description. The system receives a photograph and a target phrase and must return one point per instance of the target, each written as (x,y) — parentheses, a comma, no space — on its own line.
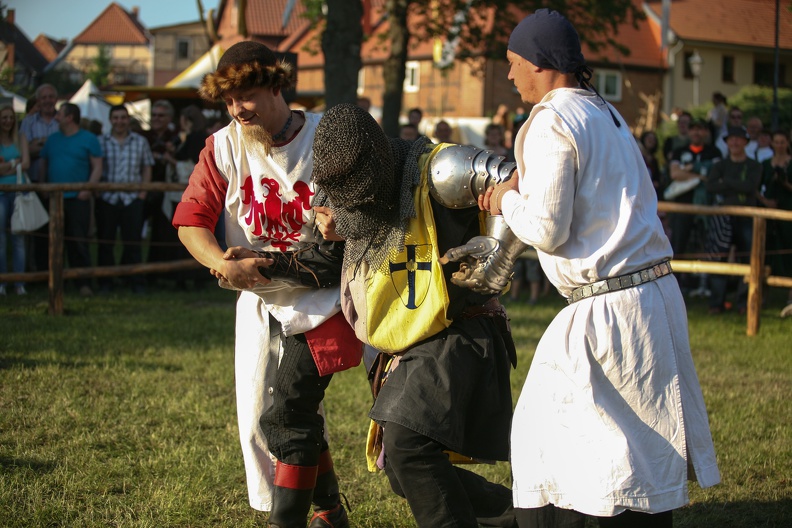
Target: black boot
(291,496)
(328,510)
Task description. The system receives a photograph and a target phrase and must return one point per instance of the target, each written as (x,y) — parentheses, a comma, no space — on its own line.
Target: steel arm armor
(458,175)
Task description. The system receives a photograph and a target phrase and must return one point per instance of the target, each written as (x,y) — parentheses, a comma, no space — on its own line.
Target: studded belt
(621,282)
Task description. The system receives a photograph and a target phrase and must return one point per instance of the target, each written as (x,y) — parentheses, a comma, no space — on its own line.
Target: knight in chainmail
(399,207)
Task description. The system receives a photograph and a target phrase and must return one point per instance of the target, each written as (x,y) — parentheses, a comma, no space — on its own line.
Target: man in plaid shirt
(127,159)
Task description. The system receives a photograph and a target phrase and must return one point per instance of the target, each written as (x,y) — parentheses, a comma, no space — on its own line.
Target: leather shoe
(332,518)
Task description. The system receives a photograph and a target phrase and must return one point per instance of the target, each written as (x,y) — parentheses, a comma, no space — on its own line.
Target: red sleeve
(204,198)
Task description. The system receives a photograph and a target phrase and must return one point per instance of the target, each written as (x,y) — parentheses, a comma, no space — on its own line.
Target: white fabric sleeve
(541,214)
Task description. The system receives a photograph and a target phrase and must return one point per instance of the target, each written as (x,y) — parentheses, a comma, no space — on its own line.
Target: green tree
(101,67)
(483,34)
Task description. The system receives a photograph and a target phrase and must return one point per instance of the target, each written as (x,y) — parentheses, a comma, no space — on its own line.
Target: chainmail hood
(368,180)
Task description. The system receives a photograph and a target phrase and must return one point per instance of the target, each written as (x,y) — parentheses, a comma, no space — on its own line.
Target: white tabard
(611,416)
(266,206)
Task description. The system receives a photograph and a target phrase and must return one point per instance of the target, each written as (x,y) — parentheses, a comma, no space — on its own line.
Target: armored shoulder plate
(459,174)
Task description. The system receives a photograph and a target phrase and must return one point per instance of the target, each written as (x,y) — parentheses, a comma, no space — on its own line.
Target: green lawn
(121,413)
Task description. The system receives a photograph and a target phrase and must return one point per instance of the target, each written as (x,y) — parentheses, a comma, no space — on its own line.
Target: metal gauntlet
(459,174)
(487,262)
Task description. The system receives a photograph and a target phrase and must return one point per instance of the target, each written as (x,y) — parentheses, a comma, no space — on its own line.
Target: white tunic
(611,414)
(266,207)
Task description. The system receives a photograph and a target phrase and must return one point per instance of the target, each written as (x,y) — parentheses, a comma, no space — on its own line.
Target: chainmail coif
(368,179)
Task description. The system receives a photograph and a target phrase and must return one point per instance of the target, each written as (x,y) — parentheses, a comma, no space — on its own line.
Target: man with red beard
(255,174)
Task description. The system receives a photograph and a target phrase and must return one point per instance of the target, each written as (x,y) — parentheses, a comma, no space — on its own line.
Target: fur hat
(246,64)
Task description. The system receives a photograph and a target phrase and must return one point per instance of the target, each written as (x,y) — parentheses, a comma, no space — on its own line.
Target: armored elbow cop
(458,175)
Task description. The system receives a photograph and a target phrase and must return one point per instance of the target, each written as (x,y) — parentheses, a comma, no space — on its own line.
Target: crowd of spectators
(61,146)
(723,159)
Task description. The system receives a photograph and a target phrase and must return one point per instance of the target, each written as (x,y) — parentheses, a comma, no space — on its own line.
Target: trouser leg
(492,503)
(131,222)
(419,471)
(292,426)
(77,220)
(107,217)
(549,516)
(633,519)
(294,430)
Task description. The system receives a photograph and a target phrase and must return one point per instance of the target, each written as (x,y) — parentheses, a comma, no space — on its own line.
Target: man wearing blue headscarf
(611,421)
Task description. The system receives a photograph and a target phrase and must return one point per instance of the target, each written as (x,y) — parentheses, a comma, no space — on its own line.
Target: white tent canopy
(191,77)
(11,98)
(92,104)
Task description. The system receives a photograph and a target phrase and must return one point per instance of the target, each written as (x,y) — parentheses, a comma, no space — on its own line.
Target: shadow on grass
(14,464)
(29,363)
(740,514)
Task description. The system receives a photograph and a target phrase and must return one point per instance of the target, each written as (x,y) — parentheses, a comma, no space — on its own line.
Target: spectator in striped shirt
(37,127)
(127,159)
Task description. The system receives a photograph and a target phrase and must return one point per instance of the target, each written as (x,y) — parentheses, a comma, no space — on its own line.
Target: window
(609,84)
(688,71)
(183,49)
(764,73)
(412,76)
(727,69)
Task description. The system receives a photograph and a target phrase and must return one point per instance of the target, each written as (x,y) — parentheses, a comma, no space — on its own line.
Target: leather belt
(621,282)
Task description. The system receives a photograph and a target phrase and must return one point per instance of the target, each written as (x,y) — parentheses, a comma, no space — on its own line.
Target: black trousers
(77,222)
(129,219)
(552,517)
(294,430)
(439,493)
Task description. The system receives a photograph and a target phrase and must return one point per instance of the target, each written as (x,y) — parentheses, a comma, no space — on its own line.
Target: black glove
(317,265)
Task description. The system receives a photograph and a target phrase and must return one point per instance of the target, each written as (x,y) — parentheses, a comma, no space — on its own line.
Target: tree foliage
(483,34)
(101,67)
(485,31)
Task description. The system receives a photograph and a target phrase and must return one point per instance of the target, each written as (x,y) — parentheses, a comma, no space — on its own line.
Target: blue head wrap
(548,40)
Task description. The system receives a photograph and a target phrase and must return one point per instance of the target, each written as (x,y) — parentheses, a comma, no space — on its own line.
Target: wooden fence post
(756,276)
(56,253)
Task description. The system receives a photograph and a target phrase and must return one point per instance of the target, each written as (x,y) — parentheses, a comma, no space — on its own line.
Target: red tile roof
(736,22)
(266,18)
(49,47)
(643,43)
(114,26)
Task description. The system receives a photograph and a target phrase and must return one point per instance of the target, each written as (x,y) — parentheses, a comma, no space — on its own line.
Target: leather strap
(621,282)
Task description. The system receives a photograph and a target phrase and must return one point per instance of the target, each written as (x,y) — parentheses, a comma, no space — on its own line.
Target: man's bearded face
(257,135)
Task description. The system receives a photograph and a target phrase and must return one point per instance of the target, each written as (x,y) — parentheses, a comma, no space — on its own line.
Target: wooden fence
(756,273)
(56,273)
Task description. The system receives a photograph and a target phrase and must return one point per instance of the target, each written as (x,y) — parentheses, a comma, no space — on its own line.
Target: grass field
(121,413)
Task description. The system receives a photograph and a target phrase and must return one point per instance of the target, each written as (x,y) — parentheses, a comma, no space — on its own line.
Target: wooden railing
(756,273)
(56,273)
